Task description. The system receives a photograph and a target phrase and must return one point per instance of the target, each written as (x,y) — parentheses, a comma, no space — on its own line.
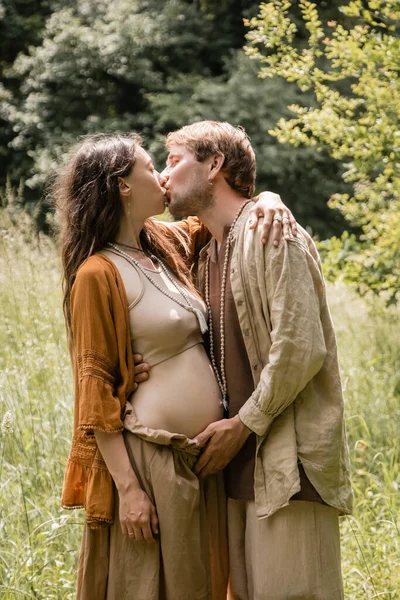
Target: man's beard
(196,198)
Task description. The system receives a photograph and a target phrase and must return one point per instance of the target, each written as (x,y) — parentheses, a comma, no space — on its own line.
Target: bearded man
(273,349)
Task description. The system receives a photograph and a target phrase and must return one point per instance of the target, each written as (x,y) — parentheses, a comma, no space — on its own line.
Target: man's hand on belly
(141,370)
(222,441)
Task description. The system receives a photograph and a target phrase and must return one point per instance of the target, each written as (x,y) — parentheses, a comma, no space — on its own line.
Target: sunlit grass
(39,541)
(369,347)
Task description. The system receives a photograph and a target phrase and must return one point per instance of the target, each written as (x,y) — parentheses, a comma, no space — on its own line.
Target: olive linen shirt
(103,369)
(296,409)
(239,473)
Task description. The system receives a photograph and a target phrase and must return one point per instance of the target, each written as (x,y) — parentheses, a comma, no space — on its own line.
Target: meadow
(39,541)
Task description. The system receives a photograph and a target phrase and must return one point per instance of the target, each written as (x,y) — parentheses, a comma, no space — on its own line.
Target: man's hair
(211,137)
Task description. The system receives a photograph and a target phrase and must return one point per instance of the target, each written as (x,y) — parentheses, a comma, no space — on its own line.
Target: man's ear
(216,164)
(124,187)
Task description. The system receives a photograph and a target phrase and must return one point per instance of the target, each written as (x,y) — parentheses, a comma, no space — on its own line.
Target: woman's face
(147,194)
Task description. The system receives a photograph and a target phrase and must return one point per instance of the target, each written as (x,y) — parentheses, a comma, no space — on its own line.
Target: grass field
(39,541)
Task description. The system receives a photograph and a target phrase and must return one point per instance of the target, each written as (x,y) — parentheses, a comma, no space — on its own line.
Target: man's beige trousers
(292,555)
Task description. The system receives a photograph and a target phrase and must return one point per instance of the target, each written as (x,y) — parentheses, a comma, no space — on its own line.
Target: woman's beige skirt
(189,561)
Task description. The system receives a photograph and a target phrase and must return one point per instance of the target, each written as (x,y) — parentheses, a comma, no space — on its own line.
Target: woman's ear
(124,187)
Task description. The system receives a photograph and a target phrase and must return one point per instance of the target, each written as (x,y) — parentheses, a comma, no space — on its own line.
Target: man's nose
(162,179)
(164,175)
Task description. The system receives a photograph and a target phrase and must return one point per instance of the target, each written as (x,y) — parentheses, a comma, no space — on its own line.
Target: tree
(149,66)
(93,70)
(304,177)
(21,26)
(352,69)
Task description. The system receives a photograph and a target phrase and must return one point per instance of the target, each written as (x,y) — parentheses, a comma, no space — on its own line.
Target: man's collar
(212,249)
(242,220)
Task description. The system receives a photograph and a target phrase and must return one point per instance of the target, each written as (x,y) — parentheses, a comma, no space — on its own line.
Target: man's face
(188,189)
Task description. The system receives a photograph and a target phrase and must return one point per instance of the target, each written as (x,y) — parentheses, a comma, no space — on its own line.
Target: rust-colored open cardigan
(103,372)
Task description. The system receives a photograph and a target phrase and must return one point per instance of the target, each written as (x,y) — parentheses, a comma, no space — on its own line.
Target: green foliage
(39,542)
(21,26)
(353,72)
(304,177)
(93,71)
(149,66)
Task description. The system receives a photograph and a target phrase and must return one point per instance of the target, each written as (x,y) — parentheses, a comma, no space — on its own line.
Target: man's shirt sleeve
(295,290)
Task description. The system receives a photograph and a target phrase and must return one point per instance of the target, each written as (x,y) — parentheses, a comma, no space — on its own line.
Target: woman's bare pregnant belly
(181,395)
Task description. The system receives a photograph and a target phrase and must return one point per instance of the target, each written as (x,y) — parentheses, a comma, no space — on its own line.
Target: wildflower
(6,423)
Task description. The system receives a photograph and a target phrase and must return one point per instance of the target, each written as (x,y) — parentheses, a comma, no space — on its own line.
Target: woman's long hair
(86,197)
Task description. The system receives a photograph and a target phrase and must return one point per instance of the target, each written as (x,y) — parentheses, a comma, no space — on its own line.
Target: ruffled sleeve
(95,348)
(88,483)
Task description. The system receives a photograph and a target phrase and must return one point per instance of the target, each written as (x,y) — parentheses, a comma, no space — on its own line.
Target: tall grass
(39,541)
(369,350)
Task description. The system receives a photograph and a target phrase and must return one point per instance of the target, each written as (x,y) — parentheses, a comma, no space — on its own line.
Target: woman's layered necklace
(220,373)
(187,305)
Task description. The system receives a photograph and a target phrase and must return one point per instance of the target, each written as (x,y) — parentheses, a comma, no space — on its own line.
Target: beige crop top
(160,328)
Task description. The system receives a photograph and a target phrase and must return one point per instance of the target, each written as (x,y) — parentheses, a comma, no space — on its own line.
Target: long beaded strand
(188,306)
(220,374)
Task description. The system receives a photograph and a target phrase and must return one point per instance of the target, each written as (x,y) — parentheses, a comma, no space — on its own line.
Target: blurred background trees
(153,66)
(150,66)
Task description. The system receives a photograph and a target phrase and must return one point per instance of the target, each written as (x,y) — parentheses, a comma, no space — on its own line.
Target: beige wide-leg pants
(292,555)
(189,561)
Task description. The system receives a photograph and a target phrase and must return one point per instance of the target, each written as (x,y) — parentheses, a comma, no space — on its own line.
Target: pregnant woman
(153,530)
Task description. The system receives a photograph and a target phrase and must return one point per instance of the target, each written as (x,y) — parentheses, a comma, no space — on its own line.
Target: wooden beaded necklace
(220,374)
